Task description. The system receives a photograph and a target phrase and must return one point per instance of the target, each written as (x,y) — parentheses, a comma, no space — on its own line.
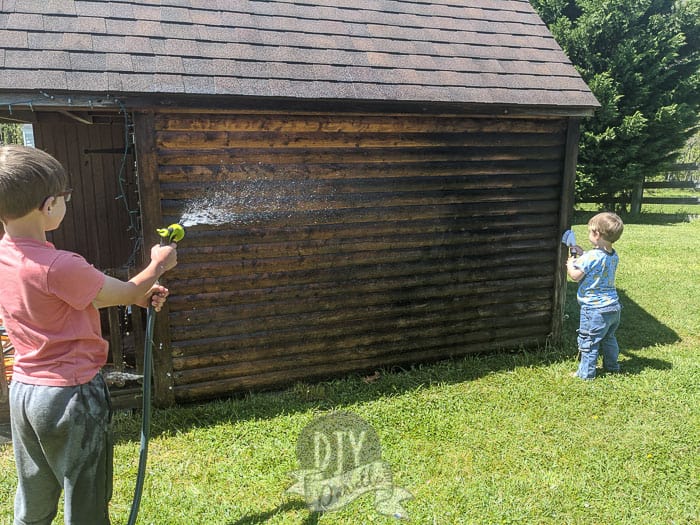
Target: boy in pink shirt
(59,404)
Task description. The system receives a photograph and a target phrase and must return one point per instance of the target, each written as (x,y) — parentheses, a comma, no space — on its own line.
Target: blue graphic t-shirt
(597,288)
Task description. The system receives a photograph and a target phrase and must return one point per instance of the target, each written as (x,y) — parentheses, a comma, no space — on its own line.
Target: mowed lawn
(490,439)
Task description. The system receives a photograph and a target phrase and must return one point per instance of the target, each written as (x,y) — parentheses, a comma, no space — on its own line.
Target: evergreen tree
(641,59)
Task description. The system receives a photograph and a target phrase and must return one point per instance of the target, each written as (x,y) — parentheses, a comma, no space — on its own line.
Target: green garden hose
(173,233)
(146,414)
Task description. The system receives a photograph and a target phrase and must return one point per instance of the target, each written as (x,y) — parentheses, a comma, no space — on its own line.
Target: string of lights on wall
(134,228)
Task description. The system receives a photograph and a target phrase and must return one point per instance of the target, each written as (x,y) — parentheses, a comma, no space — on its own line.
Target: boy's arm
(139,288)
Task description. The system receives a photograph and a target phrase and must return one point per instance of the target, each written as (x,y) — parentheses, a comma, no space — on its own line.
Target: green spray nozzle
(173,233)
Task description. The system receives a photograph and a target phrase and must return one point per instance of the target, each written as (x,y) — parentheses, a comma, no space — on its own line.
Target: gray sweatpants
(62,441)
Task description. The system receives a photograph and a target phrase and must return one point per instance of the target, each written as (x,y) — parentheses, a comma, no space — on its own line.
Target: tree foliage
(641,59)
(11,134)
(691,152)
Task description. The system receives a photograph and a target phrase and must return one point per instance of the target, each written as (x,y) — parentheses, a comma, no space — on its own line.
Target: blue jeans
(596,334)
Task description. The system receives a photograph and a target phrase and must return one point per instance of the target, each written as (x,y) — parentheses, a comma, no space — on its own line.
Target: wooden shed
(367,183)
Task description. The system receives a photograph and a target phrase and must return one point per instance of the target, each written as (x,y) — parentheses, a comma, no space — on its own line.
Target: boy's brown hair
(28,176)
(608,225)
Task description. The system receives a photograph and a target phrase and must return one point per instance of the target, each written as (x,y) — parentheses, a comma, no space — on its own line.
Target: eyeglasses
(67,194)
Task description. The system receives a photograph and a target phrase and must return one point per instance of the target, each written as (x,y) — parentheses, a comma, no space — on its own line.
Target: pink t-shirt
(46,306)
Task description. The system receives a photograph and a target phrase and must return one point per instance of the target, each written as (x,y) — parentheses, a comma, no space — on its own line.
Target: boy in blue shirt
(595,270)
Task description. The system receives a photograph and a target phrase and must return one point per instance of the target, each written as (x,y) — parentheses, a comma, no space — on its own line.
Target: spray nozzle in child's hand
(569,239)
(173,233)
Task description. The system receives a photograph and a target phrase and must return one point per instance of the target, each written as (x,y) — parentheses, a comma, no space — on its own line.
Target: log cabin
(365,184)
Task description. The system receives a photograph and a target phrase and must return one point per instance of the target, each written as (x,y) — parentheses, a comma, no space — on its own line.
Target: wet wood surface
(344,243)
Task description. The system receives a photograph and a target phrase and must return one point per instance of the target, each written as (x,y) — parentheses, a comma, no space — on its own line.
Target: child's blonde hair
(28,176)
(608,225)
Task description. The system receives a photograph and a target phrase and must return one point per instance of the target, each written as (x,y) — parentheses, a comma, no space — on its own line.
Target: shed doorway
(101,222)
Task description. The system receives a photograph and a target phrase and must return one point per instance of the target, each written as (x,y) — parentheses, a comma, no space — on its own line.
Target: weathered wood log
(264,321)
(235,156)
(376,347)
(254,346)
(366,123)
(400,274)
(220,173)
(413,261)
(256,303)
(335,368)
(240,320)
(253,140)
(344,190)
(471,246)
(486,229)
(459,210)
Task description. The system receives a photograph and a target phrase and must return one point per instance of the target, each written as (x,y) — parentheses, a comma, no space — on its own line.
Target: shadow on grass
(263,517)
(636,364)
(334,394)
(637,330)
(640,330)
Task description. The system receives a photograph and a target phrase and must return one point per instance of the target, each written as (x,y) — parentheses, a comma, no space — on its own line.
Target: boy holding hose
(59,404)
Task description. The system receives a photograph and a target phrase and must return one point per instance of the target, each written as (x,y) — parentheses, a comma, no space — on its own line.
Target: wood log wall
(349,243)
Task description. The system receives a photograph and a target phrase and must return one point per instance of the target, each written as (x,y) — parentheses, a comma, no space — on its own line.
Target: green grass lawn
(490,439)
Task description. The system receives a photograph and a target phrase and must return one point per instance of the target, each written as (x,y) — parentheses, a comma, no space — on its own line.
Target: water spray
(173,233)
(254,201)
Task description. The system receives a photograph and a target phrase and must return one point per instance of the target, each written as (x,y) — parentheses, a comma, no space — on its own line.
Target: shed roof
(476,52)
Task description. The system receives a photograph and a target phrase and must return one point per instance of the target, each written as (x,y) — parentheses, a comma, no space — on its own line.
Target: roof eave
(12,102)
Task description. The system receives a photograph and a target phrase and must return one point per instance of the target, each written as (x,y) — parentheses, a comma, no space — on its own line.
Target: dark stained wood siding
(97,223)
(361,241)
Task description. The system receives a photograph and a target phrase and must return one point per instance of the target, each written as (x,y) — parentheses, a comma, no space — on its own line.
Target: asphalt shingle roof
(481,51)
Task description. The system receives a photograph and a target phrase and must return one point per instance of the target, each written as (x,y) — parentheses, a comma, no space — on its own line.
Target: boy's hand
(155,297)
(574,273)
(158,295)
(165,256)
(576,250)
